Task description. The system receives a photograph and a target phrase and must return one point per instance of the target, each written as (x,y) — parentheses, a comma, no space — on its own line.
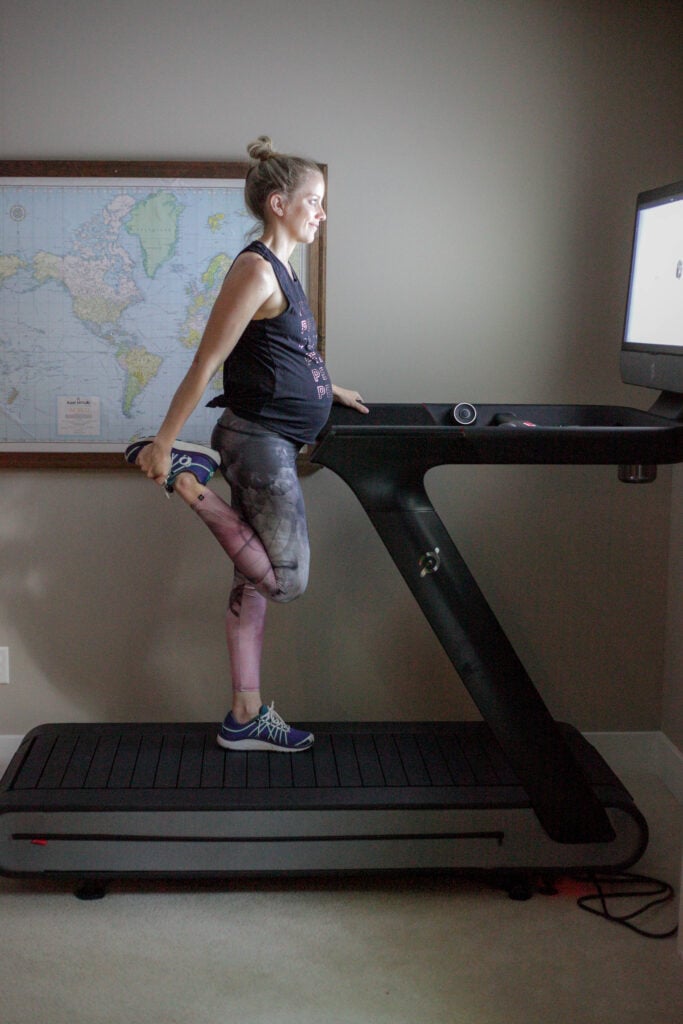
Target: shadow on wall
(573,563)
(113,595)
(376,658)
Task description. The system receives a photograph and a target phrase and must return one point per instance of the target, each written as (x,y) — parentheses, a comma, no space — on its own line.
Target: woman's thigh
(260,468)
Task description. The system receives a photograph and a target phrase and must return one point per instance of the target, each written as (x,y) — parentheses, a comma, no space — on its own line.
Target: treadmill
(515,793)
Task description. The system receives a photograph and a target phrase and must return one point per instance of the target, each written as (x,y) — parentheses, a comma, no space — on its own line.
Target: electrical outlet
(4,664)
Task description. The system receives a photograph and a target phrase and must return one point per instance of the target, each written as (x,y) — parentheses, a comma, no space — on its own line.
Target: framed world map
(108,272)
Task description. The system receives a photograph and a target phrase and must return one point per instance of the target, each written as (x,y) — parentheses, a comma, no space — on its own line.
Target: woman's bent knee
(289,587)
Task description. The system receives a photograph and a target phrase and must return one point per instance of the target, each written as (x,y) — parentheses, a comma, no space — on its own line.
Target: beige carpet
(343,952)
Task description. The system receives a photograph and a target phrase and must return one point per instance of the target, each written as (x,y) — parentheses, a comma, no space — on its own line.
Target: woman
(277,397)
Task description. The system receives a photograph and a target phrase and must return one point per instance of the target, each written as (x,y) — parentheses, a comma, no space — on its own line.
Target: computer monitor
(652,346)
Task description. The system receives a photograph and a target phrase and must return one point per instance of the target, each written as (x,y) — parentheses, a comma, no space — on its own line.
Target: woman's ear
(276,203)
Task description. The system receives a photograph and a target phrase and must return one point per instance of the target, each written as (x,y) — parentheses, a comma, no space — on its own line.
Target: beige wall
(484,160)
(672,705)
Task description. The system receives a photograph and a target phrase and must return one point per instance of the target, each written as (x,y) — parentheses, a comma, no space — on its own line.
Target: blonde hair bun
(261,149)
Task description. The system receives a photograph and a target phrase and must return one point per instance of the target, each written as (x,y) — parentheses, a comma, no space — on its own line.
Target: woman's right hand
(155,462)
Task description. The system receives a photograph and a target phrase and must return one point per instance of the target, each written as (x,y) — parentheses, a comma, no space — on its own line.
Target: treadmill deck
(158,799)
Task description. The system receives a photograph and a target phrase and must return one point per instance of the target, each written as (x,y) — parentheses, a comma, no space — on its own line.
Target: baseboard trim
(669,766)
(8,747)
(627,753)
(642,753)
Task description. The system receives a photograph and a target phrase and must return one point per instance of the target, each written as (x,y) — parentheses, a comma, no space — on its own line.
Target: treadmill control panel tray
(597,434)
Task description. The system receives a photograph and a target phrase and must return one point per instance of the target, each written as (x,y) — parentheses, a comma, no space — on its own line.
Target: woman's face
(302,212)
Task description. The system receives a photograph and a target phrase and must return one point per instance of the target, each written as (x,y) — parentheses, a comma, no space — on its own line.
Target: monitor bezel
(647,364)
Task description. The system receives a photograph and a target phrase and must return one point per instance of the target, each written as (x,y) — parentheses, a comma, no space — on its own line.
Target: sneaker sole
(185,446)
(259,745)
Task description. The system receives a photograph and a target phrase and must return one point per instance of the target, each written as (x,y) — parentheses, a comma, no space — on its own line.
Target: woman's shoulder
(253,283)
(250,265)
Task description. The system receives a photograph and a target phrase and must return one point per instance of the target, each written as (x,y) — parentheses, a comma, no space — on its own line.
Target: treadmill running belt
(186,757)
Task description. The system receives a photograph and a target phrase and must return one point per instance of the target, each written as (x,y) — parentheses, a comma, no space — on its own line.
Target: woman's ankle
(245,706)
(188,488)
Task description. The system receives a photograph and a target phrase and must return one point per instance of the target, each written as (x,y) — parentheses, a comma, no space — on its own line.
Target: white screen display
(655,306)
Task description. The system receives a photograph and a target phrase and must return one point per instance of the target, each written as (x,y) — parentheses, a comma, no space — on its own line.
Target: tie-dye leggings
(263,531)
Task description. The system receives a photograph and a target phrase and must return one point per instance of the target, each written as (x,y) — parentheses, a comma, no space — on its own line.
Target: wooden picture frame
(71,261)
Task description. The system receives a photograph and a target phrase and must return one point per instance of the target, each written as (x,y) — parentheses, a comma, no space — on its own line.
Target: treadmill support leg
(391,490)
(91,891)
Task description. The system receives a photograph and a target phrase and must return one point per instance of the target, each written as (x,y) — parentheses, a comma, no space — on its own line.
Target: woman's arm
(248,290)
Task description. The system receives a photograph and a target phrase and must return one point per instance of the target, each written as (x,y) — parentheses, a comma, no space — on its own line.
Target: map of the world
(105,288)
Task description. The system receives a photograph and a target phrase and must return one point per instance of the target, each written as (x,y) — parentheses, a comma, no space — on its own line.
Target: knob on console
(465,414)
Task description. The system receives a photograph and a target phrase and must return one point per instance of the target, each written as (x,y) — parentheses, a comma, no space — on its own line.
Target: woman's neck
(279,243)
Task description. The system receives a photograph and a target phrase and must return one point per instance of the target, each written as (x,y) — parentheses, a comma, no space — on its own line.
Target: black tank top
(275,375)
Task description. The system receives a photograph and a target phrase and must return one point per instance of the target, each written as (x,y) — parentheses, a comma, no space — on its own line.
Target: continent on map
(154,221)
(9,266)
(216,221)
(202,298)
(141,367)
(98,272)
(94,299)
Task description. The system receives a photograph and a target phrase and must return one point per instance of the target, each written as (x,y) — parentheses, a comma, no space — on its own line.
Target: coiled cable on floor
(656,892)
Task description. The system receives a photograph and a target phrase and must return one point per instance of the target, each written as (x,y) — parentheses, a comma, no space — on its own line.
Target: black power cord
(652,889)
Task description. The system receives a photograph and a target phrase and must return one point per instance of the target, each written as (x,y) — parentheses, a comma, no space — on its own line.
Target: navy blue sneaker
(265,732)
(185,458)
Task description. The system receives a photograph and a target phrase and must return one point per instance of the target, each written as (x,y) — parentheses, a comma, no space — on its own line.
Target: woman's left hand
(344,396)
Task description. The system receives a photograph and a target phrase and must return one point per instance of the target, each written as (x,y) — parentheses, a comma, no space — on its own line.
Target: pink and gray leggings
(263,531)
